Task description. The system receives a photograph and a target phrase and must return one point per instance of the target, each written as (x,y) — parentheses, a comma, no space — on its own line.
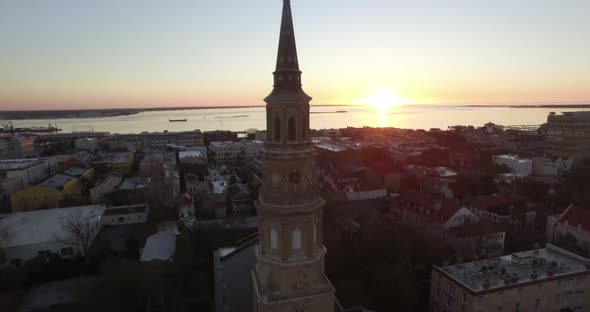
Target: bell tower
(289,274)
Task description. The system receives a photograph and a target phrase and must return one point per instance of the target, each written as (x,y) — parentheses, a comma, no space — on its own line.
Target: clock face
(294,177)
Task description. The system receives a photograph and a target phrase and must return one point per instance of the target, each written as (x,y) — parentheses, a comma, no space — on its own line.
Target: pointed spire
(287,76)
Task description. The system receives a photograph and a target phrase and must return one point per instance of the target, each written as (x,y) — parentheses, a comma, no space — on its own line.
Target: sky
(72,54)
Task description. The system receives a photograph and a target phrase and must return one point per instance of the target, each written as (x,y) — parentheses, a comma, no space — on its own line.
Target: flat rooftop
(41,226)
(114,157)
(56,181)
(19,164)
(224,143)
(520,265)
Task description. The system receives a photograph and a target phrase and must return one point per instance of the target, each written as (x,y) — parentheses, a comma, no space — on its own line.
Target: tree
(78,231)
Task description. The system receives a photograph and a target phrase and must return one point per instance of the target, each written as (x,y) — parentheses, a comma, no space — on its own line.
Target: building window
(296,239)
(450,302)
(277,129)
(68,251)
(274,240)
(43,253)
(566,299)
(568,284)
(292,129)
(450,288)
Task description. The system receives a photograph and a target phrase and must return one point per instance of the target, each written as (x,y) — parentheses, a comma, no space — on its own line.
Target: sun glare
(385,99)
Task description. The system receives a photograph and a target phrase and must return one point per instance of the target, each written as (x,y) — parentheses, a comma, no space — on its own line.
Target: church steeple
(289,274)
(287,76)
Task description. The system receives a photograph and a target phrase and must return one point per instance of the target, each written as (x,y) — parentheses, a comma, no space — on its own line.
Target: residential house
(107,184)
(574,221)
(500,209)
(119,162)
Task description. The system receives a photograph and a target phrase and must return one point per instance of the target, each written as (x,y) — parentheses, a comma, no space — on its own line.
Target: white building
(574,221)
(543,166)
(27,235)
(227,151)
(30,170)
(521,166)
(121,215)
(87,144)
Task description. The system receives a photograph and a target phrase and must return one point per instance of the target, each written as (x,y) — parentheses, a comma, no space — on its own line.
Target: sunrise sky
(63,54)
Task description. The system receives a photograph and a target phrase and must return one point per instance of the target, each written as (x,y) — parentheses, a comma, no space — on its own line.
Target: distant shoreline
(115,112)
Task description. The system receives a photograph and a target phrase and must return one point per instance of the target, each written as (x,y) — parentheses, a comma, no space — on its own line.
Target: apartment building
(226,151)
(548,279)
(568,135)
(156,140)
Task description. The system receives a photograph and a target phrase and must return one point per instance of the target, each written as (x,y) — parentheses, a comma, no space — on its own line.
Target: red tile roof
(576,216)
(476,229)
(491,202)
(431,208)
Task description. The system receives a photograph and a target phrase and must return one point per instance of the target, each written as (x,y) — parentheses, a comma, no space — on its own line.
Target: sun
(384,99)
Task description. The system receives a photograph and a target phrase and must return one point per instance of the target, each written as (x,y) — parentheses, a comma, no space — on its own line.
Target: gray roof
(56,181)
(75,171)
(19,164)
(160,246)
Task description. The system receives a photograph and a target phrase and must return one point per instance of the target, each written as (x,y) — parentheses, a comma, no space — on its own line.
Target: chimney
(534,275)
(487,283)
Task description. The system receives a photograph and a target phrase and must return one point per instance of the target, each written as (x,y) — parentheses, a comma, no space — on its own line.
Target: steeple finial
(287,75)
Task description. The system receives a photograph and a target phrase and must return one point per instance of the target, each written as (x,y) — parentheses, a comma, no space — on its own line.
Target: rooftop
(223,143)
(115,157)
(196,154)
(513,158)
(111,178)
(40,226)
(160,246)
(483,227)
(19,164)
(131,183)
(491,203)
(115,211)
(576,216)
(57,181)
(517,270)
(75,171)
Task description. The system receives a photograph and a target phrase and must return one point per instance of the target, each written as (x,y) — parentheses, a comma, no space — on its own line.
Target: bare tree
(78,231)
